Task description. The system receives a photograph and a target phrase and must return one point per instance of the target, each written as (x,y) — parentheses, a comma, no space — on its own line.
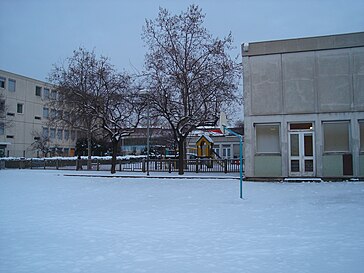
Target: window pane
(309,165)
(2,82)
(46,93)
(38,91)
(45,132)
(308,145)
(19,108)
(295,165)
(66,134)
(52,133)
(294,145)
(11,85)
(336,137)
(300,126)
(361,125)
(59,134)
(45,112)
(267,139)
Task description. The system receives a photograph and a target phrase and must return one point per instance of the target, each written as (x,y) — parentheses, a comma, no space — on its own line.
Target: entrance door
(301,159)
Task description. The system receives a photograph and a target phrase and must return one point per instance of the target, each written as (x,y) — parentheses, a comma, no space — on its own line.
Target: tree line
(188,78)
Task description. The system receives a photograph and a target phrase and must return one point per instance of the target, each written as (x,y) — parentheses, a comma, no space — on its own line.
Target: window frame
(22,108)
(256,126)
(325,152)
(2,82)
(38,88)
(46,112)
(11,81)
(46,93)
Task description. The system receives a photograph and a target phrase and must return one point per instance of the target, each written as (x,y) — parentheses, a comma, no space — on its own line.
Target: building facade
(304,107)
(25,114)
(225,146)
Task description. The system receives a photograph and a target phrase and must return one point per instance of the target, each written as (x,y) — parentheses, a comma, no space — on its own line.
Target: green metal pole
(241,158)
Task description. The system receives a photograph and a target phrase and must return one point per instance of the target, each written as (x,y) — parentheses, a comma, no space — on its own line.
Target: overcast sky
(38,33)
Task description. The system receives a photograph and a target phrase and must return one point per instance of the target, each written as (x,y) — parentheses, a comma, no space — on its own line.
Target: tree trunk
(114,153)
(89,151)
(181,156)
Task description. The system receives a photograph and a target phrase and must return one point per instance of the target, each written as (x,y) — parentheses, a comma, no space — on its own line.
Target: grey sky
(38,33)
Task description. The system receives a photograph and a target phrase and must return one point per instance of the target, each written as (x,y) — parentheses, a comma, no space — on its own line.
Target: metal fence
(134,165)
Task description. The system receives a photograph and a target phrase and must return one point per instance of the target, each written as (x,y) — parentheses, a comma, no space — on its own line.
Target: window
(267,138)
(73,135)
(52,114)
(11,85)
(2,107)
(336,136)
(46,93)
(66,134)
(2,128)
(45,112)
(59,134)
(2,82)
(52,133)
(361,126)
(38,91)
(53,94)
(19,108)
(45,132)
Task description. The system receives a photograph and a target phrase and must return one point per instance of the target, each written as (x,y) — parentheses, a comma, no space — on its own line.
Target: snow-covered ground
(55,223)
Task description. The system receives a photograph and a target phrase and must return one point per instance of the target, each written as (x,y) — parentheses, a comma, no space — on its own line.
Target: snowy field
(55,223)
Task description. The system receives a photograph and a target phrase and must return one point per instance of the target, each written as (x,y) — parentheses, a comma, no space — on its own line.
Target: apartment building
(24,103)
(304,107)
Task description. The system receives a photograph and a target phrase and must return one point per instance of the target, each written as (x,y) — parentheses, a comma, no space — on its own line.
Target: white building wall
(19,127)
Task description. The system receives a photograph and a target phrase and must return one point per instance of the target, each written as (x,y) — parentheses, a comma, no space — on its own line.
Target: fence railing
(134,165)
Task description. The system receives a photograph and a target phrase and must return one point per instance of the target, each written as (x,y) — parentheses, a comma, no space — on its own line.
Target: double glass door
(301,151)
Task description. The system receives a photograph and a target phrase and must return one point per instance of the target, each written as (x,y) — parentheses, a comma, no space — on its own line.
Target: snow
(50,222)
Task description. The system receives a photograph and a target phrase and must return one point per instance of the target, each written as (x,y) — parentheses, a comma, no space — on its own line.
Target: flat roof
(347,40)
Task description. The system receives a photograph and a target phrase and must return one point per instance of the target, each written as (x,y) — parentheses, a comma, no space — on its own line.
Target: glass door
(301,156)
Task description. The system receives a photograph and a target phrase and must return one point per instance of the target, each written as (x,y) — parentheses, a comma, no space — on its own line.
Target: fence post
(44,163)
(97,164)
(57,164)
(31,163)
(119,165)
(169,166)
(143,165)
(225,165)
(196,165)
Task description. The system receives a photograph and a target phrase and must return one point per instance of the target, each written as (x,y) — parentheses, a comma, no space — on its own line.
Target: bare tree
(118,107)
(190,73)
(77,84)
(41,143)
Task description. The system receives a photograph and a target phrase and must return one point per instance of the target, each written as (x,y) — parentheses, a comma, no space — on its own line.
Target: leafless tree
(77,83)
(118,107)
(191,76)
(93,96)
(41,143)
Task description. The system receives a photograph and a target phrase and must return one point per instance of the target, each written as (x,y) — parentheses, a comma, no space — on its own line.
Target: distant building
(304,107)
(24,101)
(225,146)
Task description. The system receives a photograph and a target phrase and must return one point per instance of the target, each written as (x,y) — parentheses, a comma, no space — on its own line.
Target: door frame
(301,153)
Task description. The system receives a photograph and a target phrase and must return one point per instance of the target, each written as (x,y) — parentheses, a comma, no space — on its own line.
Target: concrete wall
(305,82)
(312,79)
